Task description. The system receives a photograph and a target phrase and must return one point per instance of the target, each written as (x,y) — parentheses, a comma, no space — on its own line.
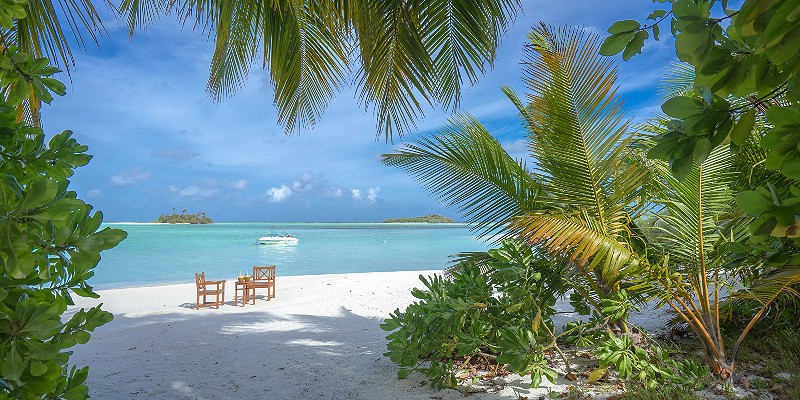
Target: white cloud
(238,184)
(94,193)
(194,192)
(279,194)
(304,183)
(372,194)
(356,194)
(131,177)
(333,191)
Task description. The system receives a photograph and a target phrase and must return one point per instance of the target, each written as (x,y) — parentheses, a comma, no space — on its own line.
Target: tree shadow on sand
(248,355)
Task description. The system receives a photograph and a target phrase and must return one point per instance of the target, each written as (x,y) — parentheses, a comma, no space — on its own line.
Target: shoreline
(229,281)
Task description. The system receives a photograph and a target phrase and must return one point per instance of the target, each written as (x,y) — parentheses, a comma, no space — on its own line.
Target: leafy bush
(50,243)
(507,312)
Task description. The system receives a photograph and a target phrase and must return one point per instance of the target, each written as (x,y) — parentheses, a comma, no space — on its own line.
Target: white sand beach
(319,338)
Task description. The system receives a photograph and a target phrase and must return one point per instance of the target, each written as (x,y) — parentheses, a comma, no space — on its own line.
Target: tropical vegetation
(184,218)
(50,240)
(431,219)
(400,55)
(625,216)
(698,210)
(743,94)
(410,54)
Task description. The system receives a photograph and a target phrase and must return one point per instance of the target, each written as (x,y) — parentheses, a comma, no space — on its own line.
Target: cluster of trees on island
(184,218)
(430,219)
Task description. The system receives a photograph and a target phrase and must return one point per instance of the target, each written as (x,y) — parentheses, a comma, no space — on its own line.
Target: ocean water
(162,253)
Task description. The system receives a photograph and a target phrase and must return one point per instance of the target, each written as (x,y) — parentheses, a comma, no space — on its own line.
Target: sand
(319,338)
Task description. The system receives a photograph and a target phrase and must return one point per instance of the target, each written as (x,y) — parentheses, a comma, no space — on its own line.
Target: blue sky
(159,142)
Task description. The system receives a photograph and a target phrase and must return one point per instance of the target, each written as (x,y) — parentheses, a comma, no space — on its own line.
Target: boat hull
(277,240)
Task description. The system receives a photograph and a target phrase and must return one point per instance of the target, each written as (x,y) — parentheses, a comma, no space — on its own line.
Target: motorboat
(275,238)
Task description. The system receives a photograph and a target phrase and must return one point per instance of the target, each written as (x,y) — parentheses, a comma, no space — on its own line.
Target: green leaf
(13,365)
(681,167)
(625,26)
(791,169)
(682,107)
(657,14)
(752,203)
(615,43)
(40,192)
(403,373)
(38,368)
(743,128)
(597,374)
(635,45)
(702,149)
(784,215)
(44,330)
(55,85)
(103,240)
(783,116)
(763,225)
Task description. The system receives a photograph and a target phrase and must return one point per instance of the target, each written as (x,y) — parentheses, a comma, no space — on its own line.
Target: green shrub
(50,243)
(507,313)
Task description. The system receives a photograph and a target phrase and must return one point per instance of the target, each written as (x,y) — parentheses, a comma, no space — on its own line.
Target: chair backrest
(263,273)
(200,280)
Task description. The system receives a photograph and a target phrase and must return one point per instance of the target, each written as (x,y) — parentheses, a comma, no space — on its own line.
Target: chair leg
(198,301)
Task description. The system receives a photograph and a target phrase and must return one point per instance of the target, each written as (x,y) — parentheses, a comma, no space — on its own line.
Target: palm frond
(694,206)
(578,238)
(412,54)
(464,166)
(139,14)
(463,36)
(678,81)
(578,132)
(41,33)
(582,151)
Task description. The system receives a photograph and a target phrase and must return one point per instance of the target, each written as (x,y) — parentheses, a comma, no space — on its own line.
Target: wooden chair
(209,288)
(264,277)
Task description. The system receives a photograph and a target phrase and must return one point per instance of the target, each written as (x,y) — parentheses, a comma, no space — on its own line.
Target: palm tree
(400,54)
(587,182)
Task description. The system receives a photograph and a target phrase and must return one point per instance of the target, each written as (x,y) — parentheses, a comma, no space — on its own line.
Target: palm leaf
(464,166)
(396,69)
(411,54)
(694,205)
(581,150)
(463,37)
(578,238)
(41,33)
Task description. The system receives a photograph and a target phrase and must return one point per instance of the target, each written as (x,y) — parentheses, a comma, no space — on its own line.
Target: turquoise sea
(161,253)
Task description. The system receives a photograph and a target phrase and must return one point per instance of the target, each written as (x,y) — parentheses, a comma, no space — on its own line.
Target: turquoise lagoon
(162,253)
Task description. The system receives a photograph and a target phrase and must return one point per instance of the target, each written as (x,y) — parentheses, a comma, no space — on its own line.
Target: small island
(430,219)
(184,218)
